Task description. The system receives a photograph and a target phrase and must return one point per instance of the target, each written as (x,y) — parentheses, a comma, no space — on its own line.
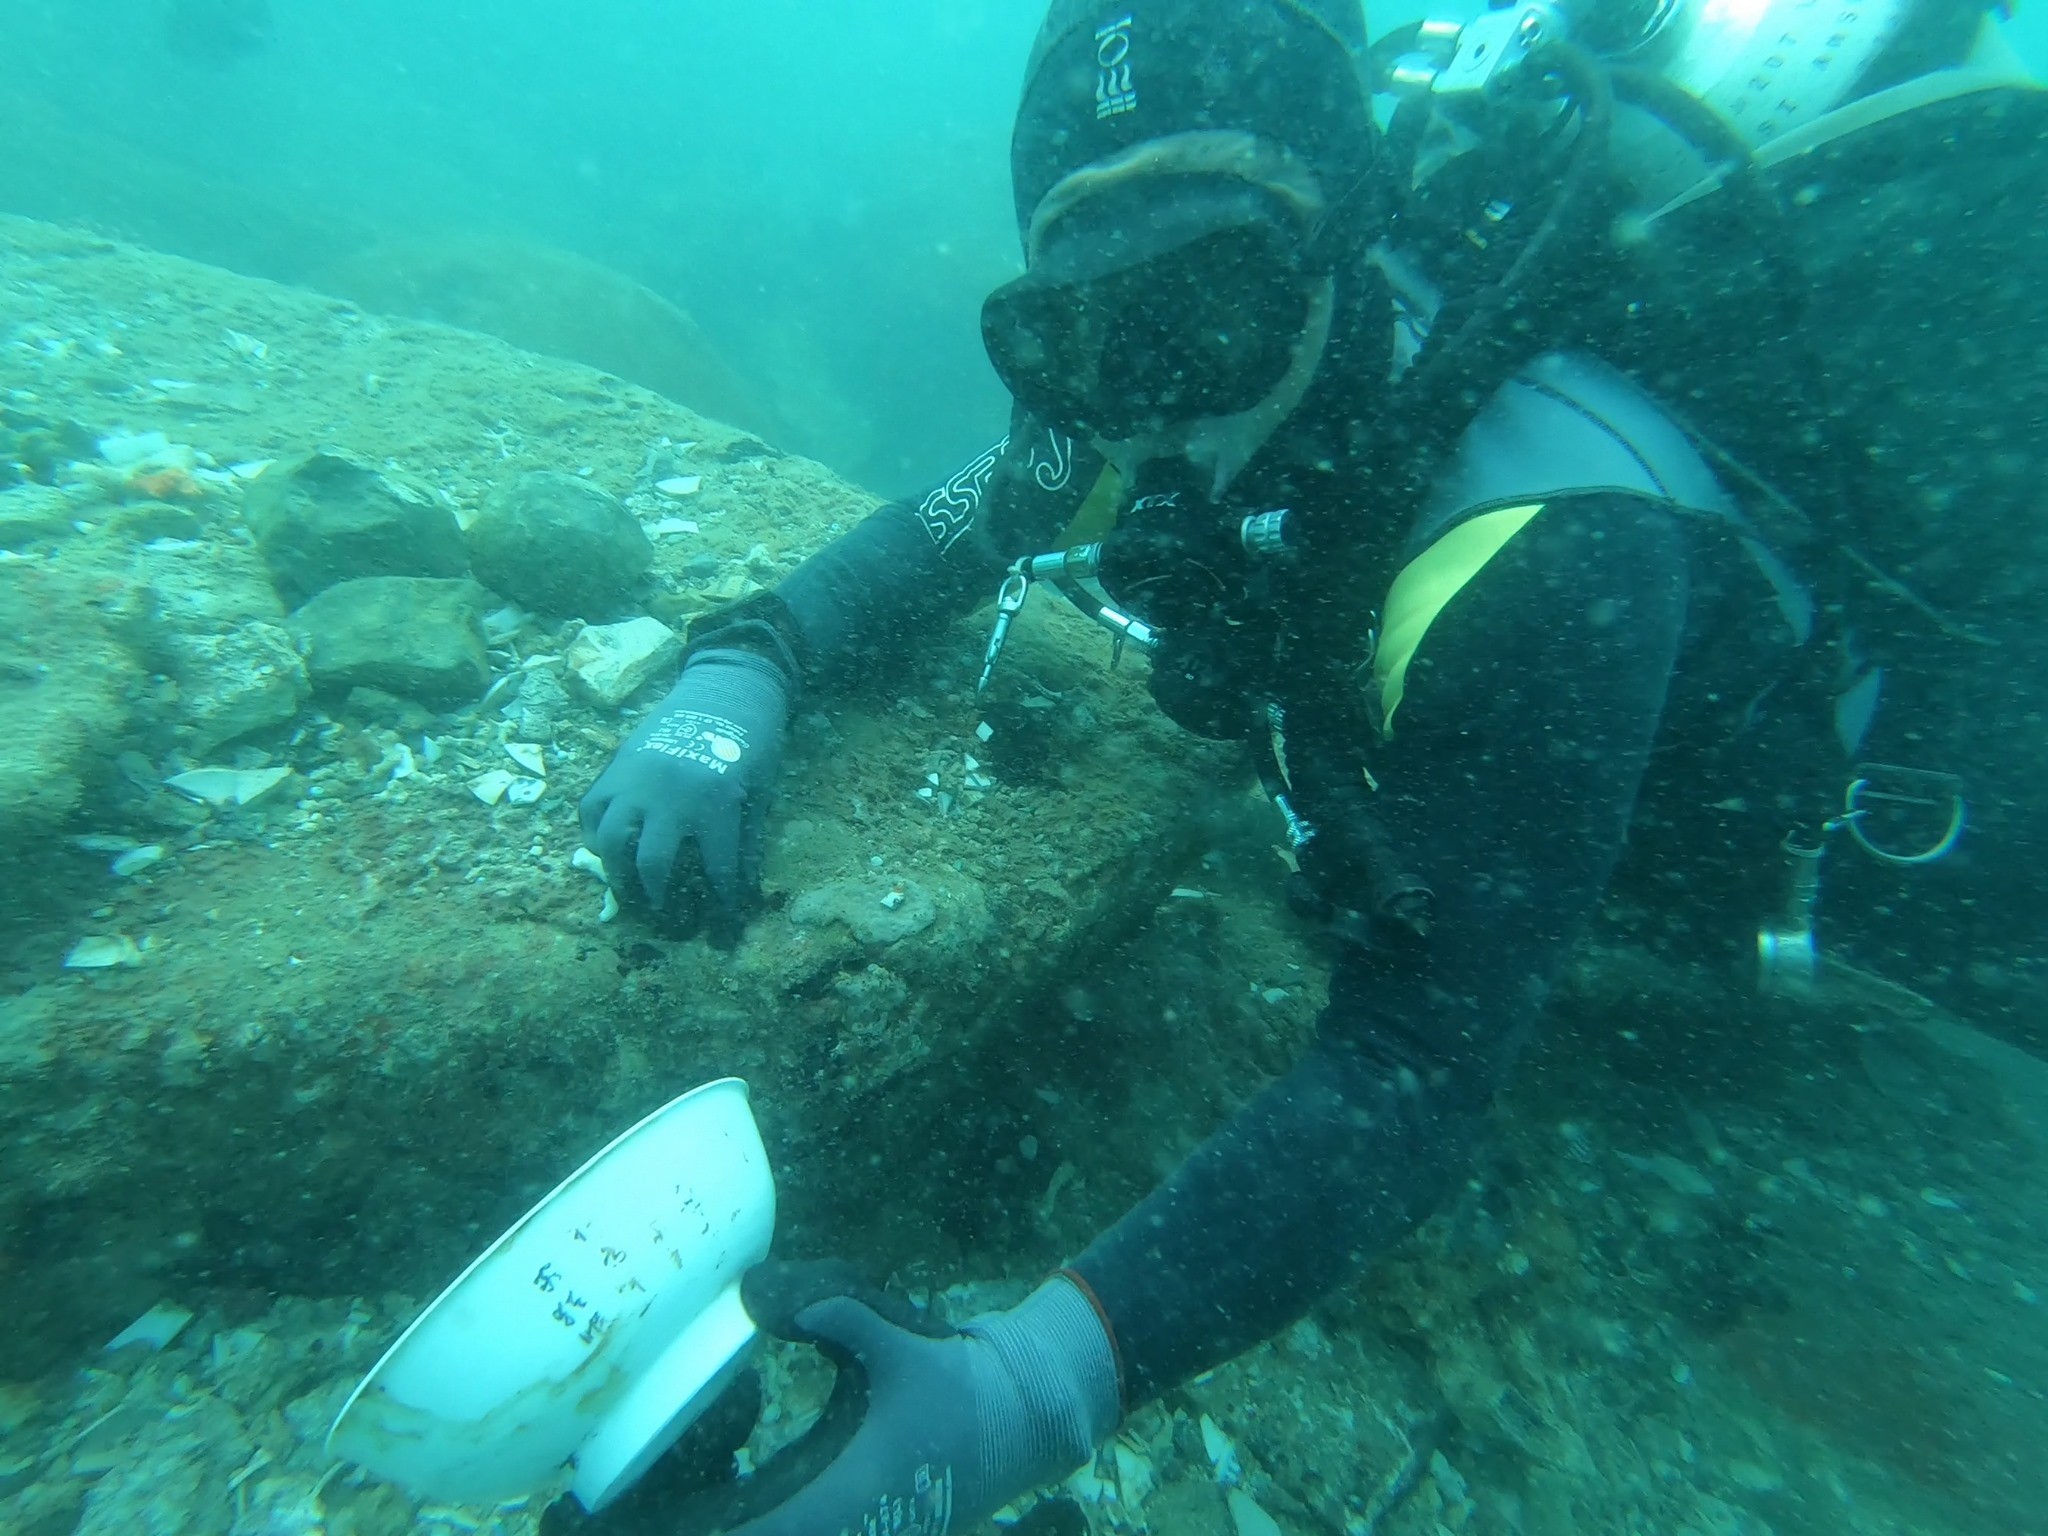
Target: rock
(1347,1473)
(145,521)
(1189,1506)
(33,448)
(866,907)
(207,589)
(145,450)
(373,706)
(204,614)
(67,687)
(610,662)
(234,685)
(31,512)
(540,706)
(559,545)
(323,519)
(154,1488)
(703,567)
(407,635)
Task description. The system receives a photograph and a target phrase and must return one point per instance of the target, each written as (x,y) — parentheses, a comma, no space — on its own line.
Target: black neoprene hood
(1105,76)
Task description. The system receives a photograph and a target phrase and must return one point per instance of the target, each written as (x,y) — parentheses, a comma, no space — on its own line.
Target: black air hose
(1423,413)
(1717,141)
(1847,480)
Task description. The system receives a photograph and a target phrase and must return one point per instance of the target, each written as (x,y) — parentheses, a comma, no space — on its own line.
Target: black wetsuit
(1508,785)
(1530,713)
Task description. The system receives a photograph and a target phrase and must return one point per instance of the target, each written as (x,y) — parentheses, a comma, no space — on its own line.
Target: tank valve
(1787,954)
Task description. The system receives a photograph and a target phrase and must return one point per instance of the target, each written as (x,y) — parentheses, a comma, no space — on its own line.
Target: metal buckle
(1881,785)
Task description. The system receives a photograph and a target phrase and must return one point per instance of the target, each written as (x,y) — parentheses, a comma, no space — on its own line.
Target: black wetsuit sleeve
(1516,754)
(872,593)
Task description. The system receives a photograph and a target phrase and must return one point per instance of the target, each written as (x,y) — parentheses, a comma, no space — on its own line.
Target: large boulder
(323,519)
(408,635)
(559,545)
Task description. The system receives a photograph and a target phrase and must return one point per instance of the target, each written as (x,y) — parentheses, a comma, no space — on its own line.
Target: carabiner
(1009,602)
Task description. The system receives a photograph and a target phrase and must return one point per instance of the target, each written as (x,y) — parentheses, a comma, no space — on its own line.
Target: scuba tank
(1664,104)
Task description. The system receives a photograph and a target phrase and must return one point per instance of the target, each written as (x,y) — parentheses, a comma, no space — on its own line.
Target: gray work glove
(693,781)
(932,1430)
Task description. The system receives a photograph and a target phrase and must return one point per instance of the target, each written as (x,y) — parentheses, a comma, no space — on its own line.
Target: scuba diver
(1371,436)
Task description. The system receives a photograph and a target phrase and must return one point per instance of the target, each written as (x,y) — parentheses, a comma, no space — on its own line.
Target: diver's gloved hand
(938,1428)
(693,782)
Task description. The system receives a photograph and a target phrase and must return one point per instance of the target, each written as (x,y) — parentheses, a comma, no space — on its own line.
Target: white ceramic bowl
(587,1338)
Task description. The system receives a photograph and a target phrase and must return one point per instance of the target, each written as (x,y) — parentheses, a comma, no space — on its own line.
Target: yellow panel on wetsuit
(1426,585)
(1096,515)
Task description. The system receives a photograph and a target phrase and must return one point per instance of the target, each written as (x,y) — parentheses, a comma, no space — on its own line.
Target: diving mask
(1179,301)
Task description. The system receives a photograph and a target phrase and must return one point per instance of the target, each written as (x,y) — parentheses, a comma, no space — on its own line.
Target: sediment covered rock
(559,545)
(30,512)
(323,518)
(408,635)
(67,688)
(248,680)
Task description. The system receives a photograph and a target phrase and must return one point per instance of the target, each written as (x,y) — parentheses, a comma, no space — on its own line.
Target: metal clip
(1788,955)
(1124,627)
(1908,798)
(1436,44)
(1071,573)
(1009,602)
(1494,44)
